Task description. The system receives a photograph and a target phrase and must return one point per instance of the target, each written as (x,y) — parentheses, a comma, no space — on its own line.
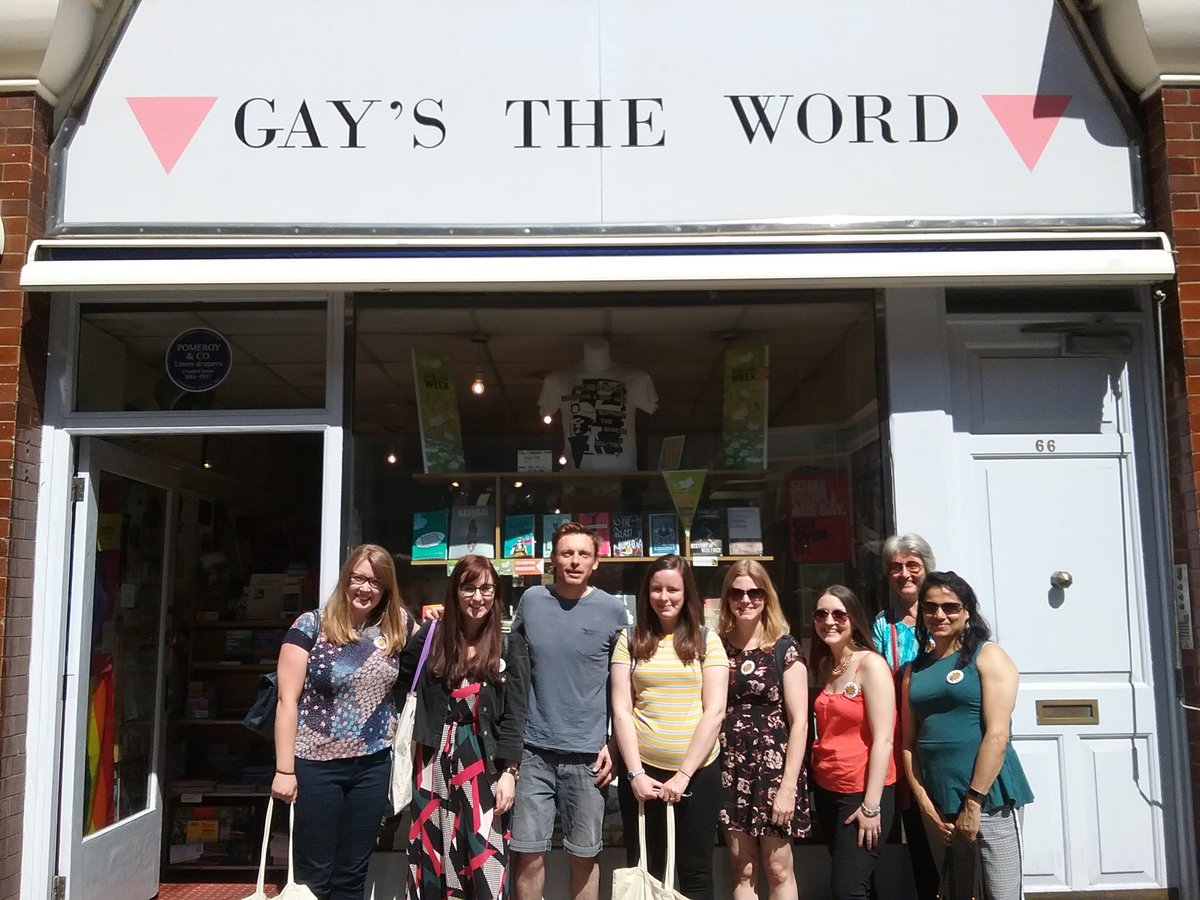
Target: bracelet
(871,812)
(513,771)
(684,774)
(281,772)
(634,774)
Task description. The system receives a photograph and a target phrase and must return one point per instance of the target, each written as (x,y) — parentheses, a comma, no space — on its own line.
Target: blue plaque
(198,360)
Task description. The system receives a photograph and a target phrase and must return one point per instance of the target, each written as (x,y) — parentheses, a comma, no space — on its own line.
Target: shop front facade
(387,279)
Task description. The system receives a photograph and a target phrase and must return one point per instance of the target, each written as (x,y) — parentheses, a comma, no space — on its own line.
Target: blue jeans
(339,806)
(562,782)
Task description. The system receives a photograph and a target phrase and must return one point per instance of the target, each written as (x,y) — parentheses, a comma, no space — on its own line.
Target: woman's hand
(646,788)
(967,823)
(942,828)
(784,806)
(675,788)
(869,828)
(506,792)
(283,787)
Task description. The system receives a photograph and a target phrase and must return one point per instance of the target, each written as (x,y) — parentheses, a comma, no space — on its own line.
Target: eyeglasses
(358,581)
(913,566)
(838,615)
(754,595)
(949,609)
(486,591)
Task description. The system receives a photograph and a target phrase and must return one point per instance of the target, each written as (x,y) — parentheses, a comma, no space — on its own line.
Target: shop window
(200,356)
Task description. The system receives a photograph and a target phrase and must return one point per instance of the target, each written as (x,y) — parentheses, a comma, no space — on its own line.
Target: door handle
(1061,580)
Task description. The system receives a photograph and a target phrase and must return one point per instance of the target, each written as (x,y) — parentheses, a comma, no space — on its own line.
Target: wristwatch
(634,774)
(978,796)
(514,772)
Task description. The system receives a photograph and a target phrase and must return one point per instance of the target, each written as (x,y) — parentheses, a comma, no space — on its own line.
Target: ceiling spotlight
(207,464)
(562,460)
(391,458)
(477,386)
(518,484)
(547,418)
(454,484)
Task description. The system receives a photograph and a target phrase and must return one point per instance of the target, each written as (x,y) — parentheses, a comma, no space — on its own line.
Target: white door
(1051,474)
(110,840)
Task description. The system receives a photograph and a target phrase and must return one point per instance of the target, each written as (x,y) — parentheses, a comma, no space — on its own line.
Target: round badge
(380,643)
(852,689)
(503,664)
(747,667)
(954,676)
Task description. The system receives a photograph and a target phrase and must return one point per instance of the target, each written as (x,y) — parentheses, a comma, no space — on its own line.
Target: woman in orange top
(852,762)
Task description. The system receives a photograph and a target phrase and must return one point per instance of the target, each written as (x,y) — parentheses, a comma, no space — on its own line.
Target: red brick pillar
(1172,120)
(25,131)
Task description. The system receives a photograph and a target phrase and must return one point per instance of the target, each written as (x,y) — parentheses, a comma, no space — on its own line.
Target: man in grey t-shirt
(570,629)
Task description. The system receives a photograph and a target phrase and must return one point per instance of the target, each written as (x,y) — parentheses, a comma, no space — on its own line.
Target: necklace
(840,669)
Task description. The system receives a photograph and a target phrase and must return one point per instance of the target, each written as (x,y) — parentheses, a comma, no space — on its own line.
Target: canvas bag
(637,883)
(292,890)
(402,743)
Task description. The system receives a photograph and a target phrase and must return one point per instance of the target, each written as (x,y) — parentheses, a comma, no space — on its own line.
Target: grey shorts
(558,782)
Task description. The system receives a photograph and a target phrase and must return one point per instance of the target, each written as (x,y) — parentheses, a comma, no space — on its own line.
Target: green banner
(746,383)
(685,487)
(437,408)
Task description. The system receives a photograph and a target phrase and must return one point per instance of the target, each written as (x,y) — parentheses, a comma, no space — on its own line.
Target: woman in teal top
(958,699)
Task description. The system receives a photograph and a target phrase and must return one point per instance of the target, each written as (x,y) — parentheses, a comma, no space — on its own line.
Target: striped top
(666,698)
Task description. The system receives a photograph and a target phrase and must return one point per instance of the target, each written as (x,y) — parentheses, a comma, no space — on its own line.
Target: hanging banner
(685,487)
(437,409)
(746,383)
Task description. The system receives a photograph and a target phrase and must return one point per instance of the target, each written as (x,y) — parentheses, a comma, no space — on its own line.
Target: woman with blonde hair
(763,784)
(335,721)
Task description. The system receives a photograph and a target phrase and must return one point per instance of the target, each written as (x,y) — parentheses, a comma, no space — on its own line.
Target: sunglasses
(913,566)
(838,615)
(754,595)
(949,609)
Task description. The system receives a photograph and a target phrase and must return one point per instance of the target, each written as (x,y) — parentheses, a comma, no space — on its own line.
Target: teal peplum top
(949,719)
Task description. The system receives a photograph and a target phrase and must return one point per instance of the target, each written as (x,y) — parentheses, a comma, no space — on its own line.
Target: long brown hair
(860,628)
(648,631)
(389,615)
(774,625)
(448,660)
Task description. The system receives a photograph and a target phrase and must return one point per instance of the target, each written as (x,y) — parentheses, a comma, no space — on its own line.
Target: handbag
(261,717)
(637,883)
(402,744)
(962,874)
(292,890)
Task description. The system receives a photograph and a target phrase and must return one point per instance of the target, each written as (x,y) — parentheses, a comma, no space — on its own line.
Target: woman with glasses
(906,560)
(335,720)
(958,699)
(852,762)
(468,735)
(668,679)
(764,794)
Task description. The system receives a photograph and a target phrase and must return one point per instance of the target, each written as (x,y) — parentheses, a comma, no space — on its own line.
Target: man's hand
(603,767)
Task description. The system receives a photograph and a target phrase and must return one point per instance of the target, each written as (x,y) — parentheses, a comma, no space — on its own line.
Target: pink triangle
(1029,120)
(170,123)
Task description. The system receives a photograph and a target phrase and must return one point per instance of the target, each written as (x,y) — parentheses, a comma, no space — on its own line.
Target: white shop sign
(599,114)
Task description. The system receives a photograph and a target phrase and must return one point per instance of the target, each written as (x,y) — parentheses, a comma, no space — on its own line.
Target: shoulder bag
(292,890)
(637,883)
(402,744)
(261,717)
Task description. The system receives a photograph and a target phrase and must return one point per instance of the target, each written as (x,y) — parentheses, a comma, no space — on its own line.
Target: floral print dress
(754,744)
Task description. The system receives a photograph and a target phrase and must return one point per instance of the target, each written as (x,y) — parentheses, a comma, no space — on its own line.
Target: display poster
(746,383)
(437,410)
(684,487)
(819,520)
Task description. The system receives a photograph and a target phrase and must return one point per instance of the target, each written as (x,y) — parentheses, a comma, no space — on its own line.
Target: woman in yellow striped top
(669,679)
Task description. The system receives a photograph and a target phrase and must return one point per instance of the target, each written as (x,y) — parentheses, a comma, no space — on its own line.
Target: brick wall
(25,123)
(1172,121)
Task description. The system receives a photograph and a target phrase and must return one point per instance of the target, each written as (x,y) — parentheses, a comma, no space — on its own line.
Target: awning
(598,263)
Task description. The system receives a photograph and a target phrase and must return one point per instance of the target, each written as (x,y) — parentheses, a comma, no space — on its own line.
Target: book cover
(597,524)
(627,535)
(550,524)
(745,531)
(472,530)
(429,539)
(518,537)
(664,534)
(708,532)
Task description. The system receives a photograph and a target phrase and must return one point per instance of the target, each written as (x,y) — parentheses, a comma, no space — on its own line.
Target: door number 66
(1044,446)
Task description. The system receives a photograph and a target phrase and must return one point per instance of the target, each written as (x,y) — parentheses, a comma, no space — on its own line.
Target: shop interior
(241,545)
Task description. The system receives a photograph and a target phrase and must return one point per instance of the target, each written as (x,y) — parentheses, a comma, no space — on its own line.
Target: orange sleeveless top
(843,745)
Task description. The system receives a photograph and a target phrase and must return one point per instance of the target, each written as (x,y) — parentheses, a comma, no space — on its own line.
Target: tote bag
(962,873)
(291,890)
(637,883)
(402,743)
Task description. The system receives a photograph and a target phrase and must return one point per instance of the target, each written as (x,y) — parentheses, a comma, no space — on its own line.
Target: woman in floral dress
(764,790)
(469,731)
